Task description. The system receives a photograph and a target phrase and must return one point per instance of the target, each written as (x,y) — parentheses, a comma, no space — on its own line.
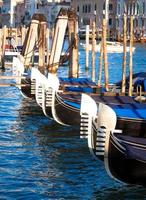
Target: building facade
(19,12)
(14,13)
(51,9)
(94,10)
(9,12)
(137,8)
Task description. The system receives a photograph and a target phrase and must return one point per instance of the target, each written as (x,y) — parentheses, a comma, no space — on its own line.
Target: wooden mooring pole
(16,38)
(42,46)
(48,46)
(30,40)
(4,39)
(58,40)
(73,41)
(131,58)
(124,53)
(93,50)
(105,54)
(1,38)
(23,34)
(87,47)
(4,35)
(100,62)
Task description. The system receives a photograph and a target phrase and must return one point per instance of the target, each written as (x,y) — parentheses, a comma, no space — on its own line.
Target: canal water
(40,159)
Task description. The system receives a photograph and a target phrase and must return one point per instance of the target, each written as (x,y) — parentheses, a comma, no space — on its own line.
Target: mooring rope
(34,48)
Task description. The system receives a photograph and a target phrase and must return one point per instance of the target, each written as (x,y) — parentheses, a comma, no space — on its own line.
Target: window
(134,9)
(110,7)
(131,8)
(137,8)
(86,21)
(128,11)
(142,22)
(86,9)
(95,7)
(117,23)
(104,6)
(110,22)
(78,9)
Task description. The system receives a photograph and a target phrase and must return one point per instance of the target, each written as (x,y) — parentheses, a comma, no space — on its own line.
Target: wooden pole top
(39,17)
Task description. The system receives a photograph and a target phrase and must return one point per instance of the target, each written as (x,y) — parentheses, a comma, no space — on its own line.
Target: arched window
(110,22)
(95,7)
(137,8)
(134,9)
(117,22)
(104,6)
(142,22)
(86,8)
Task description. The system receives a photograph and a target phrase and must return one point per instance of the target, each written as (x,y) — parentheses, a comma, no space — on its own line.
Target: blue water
(40,159)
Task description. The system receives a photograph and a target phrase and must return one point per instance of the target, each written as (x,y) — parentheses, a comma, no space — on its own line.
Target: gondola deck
(124,106)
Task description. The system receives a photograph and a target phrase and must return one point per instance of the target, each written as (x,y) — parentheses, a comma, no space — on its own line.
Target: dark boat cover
(138,79)
(78,84)
(124,106)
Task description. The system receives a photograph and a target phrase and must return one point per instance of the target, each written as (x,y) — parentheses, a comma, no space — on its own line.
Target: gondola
(46,92)
(22,79)
(49,87)
(66,106)
(117,136)
(61,106)
(138,78)
(26,80)
(66,103)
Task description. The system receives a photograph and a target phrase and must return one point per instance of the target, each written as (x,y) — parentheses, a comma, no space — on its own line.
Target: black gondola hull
(123,166)
(65,112)
(26,88)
